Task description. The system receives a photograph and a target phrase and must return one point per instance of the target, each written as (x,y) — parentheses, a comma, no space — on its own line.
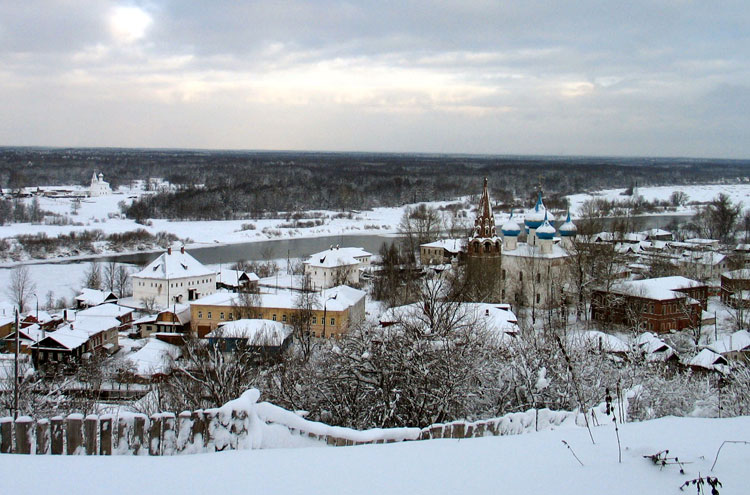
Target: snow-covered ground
(104,213)
(696,193)
(537,463)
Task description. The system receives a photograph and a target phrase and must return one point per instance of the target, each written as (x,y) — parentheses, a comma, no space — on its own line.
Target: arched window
(487,247)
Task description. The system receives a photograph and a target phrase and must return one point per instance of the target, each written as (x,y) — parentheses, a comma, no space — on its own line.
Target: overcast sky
(655,77)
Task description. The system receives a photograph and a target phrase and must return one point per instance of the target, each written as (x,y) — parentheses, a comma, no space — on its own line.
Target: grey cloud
(534,77)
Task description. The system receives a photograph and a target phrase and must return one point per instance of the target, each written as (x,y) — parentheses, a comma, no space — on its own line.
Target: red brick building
(657,305)
(735,288)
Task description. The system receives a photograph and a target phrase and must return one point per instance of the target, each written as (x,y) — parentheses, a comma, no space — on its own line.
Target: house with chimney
(175,277)
(336,266)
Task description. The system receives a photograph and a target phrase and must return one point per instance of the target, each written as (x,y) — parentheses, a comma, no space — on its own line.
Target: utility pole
(325,308)
(15,375)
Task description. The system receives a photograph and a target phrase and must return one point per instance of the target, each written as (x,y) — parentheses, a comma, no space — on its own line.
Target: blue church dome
(568,228)
(537,215)
(546,231)
(510,228)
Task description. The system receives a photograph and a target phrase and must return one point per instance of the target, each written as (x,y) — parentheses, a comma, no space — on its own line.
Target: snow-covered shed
(94,297)
(259,334)
(153,359)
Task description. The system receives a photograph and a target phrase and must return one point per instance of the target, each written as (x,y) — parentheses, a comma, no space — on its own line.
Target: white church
(98,186)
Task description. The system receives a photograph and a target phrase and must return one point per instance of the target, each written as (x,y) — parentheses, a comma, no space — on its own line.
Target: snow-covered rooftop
(738,341)
(232,277)
(654,348)
(338,298)
(708,359)
(497,318)
(596,339)
(68,337)
(742,274)
(93,297)
(174,264)
(256,331)
(526,251)
(660,289)
(153,358)
(110,310)
(337,256)
(450,245)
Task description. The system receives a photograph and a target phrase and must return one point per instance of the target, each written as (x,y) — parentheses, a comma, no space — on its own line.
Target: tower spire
(484,225)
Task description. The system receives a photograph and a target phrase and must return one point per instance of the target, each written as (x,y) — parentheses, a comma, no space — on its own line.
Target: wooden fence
(238,425)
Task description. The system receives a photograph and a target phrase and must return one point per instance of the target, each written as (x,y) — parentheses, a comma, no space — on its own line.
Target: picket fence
(241,424)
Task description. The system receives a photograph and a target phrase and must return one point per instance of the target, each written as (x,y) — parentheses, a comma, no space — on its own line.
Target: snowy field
(104,213)
(696,193)
(535,463)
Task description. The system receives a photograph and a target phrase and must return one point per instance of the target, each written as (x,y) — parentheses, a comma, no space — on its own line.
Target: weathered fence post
(105,435)
(42,437)
(23,434)
(90,427)
(198,431)
(184,430)
(154,435)
(239,428)
(6,430)
(123,442)
(436,431)
(493,428)
(139,434)
(168,435)
(479,429)
(58,438)
(74,434)
(208,415)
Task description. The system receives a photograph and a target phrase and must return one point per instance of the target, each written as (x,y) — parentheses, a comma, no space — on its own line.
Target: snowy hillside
(535,463)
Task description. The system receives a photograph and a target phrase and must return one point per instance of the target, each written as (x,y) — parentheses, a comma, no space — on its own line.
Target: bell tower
(484,240)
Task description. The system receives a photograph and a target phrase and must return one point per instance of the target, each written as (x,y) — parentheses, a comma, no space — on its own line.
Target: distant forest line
(249,184)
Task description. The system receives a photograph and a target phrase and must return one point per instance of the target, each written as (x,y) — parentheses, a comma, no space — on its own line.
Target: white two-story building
(174,277)
(336,266)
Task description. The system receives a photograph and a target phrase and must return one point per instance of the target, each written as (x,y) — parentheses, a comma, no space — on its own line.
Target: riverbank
(103,214)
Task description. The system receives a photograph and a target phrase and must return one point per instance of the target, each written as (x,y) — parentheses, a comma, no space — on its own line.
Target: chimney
(65,315)
(169,250)
(182,249)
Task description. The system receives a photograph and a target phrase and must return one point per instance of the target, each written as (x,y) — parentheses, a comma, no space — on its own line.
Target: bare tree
(341,274)
(421,370)
(205,376)
(110,276)
(21,286)
(122,282)
(149,304)
(247,304)
(419,225)
(92,278)
(719,218)
(306,303)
